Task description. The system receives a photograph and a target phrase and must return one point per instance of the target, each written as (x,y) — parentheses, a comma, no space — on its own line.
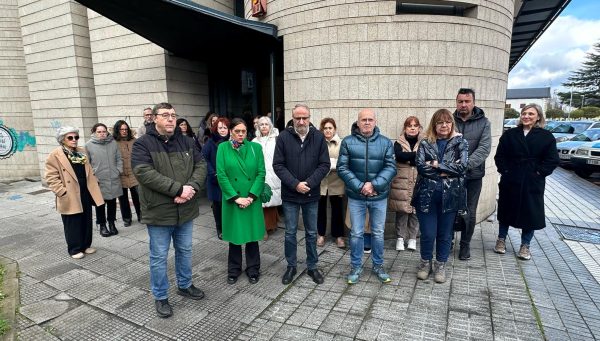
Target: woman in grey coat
(107,163)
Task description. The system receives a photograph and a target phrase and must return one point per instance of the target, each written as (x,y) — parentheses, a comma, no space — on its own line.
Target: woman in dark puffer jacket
(440,192)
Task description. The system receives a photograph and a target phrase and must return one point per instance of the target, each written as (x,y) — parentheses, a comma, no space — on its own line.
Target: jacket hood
(94,139)
(477,114)
(273,133)
(151,130)
(356,132)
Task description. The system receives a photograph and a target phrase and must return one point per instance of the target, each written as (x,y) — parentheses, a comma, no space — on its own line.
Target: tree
(586,79)
(586,112)
(555,113)
(510,113)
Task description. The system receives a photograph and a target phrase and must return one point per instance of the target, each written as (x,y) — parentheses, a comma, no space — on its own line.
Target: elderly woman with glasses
(71,178)
(526,155)
(107,163)
(266,137)
(241,174)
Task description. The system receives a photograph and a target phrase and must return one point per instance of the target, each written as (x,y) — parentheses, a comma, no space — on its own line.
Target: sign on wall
(8,142)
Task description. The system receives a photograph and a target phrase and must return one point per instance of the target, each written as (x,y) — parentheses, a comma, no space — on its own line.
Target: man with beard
(301,161)
(476,129)
(170,171)
(148,120)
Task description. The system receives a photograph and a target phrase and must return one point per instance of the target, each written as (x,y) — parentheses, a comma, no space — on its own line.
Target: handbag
(266,194)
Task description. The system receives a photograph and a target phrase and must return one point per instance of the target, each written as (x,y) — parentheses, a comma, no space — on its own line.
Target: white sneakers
(412,244)
(400,244)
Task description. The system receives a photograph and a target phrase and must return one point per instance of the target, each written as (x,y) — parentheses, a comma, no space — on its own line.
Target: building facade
(66,64)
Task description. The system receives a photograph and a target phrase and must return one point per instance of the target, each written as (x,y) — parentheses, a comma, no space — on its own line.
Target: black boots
(126,222)
(112,228)
(104,232)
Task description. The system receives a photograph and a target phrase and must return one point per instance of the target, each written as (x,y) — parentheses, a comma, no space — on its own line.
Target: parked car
(567,130)
(510,123)
(586,159)
(551,124)
(567,149)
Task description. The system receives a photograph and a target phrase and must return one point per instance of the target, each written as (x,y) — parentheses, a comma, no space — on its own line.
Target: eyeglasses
(71,137)
(305,118)
(441,123)
(166,115)
(240,131)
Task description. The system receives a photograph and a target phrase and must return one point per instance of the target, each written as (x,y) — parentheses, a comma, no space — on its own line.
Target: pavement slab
(106,295)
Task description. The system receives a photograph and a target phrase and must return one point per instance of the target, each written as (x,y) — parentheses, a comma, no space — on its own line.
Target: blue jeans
(291,210)
(436,227)
(160,241)
(358,211)
(526,235)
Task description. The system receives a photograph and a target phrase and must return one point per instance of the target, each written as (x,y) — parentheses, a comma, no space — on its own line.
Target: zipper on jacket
(367,161)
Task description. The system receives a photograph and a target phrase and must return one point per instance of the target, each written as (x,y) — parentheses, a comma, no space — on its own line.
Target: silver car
(567,130)
(567,149)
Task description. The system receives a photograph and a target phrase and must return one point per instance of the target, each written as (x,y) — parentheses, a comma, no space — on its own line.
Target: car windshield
(571,127)
(551,125)
(588,135)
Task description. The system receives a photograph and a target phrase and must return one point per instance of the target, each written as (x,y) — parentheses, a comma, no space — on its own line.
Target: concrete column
(59,69)
(15,107)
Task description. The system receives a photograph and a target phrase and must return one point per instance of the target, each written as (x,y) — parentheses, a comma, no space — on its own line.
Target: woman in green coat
(241,176)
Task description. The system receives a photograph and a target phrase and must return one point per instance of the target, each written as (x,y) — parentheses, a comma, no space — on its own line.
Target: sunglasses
(71,137)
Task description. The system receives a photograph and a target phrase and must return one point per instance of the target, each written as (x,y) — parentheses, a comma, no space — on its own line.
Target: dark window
(455,9)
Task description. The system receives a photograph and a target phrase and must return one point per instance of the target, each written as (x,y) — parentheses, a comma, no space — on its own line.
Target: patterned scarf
(75,156)
(236,145)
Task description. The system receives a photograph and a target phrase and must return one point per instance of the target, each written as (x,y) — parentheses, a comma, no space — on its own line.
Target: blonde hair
(441,115)
(541,122)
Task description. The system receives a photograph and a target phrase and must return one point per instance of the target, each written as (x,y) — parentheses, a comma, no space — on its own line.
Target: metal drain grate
(580,234)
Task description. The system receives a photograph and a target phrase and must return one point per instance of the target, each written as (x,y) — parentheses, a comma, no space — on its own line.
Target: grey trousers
(407,225)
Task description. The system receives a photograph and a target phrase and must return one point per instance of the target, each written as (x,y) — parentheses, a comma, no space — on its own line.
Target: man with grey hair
(366,165)
(301,161)
(148,120)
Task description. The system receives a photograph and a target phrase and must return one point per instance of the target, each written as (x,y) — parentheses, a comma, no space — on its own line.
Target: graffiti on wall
(12,141)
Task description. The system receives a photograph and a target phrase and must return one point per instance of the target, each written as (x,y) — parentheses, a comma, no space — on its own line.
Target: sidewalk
(105,296)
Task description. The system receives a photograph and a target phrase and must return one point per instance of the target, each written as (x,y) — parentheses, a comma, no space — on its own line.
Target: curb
(11,296)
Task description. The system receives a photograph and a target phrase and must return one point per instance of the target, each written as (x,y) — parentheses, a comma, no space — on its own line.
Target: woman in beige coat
(70,176)
(405,148)
(333,187)
(124,137)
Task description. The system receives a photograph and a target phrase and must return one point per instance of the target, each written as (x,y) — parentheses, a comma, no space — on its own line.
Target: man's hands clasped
(186,195)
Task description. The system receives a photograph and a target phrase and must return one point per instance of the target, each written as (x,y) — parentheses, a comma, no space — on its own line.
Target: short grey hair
(264,119)
(300,105)
(62,131)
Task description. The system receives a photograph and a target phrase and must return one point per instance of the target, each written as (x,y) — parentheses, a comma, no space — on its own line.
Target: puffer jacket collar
(361,137)
(335,139)
(477,115)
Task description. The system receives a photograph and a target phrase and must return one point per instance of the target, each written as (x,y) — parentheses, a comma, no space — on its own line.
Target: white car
(586,159)
(567,149)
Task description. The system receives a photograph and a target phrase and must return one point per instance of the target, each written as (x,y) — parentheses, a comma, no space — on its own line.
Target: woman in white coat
(266,136)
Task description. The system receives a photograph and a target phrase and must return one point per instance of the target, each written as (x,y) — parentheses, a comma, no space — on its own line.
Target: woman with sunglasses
(125,140)
(106,160)
(440,191)
(241,174)
(71,178)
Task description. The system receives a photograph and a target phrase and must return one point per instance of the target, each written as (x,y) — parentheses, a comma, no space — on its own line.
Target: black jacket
(453,163)
(524,162)
(477,131)
(296,161)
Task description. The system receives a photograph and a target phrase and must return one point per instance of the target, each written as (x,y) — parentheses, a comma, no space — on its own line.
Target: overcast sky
(561,49)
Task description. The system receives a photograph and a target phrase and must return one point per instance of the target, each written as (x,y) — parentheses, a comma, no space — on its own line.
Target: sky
(561,49)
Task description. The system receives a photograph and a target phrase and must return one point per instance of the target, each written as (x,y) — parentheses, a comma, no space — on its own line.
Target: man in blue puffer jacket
(366,165)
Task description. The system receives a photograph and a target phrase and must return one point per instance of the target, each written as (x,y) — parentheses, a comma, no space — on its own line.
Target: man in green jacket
(170,172)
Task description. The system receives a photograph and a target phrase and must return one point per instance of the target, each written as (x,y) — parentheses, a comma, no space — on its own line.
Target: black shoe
(231,280)
(112,228)
(191,292)
(104,232)
(253,279)
(139,217)
(316,276)
(163,308)
(289,274)
(464,252)
(127,222)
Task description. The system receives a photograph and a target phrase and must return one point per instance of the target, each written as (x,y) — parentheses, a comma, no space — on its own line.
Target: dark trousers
(78,227)
(234,260)
(337,216)
(101,211)
(473,192)
(436,227)
(124,203)
(217,208)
